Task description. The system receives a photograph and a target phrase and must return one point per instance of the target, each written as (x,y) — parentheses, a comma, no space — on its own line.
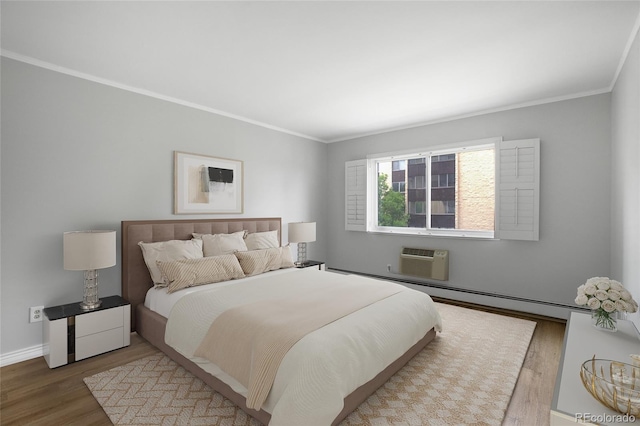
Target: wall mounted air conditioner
(425,263)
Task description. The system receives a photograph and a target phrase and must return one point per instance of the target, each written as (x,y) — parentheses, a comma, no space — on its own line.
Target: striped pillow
(256,262)
(192,272)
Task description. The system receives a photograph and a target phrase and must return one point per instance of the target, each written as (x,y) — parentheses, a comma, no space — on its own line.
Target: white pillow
(262,240)
(168,251)
(287,258)
(219,244)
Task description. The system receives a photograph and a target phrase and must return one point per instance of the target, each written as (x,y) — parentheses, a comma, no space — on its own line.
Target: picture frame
(207,185)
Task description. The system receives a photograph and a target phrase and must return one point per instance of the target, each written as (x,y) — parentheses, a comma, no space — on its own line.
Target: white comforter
(327,364)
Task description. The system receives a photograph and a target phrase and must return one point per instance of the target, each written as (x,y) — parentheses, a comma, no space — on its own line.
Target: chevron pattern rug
(465,376)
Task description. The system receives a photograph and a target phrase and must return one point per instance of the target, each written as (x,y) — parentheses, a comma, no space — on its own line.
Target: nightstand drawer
(99,343)
(96,322)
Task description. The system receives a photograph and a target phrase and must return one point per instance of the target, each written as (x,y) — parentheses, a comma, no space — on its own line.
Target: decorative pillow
(180,274)
(262,240)
(167,251)
(219,244)
(287,258)
(259,261)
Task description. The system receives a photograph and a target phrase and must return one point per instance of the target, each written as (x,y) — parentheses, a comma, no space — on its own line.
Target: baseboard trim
(21,355)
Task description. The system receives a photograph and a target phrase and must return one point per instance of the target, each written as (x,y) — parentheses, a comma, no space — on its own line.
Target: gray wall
(80,155)
(574,206)
(625,189)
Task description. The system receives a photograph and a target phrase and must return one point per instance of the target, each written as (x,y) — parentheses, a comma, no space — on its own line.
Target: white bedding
(325,366)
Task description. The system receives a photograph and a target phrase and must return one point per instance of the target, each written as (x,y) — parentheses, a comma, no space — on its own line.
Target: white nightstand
(71,333)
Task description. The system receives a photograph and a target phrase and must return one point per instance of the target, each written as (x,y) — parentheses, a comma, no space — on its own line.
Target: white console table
(581,342)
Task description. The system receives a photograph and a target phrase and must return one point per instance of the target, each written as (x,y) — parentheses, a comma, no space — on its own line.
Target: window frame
(517,197)
(446,149)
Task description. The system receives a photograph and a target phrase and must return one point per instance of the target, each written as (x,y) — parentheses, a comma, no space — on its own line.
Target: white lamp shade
(86,250)
(302,232)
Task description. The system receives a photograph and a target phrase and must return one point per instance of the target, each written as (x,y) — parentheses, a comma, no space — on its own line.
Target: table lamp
(302,233)
(89,251)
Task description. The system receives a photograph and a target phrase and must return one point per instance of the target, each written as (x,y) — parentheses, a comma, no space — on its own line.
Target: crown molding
(52,67)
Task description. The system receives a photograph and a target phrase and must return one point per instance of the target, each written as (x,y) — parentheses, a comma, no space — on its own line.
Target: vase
(603,320)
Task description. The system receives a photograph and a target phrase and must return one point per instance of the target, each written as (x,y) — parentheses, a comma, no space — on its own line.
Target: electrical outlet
(36,313)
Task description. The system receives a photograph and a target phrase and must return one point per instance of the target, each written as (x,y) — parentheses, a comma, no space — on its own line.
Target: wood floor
(32,394)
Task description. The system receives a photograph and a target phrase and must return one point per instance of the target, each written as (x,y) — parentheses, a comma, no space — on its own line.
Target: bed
(150,321)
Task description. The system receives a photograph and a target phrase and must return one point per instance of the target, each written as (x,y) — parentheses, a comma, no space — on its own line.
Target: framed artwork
(207,185)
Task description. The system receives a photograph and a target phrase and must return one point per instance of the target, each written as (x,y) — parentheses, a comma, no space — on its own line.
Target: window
(399,165)
(417,182)
(469,205)
(443,181)
(399,186)
(443,207)
(444,157)
(417,207)
(485,188)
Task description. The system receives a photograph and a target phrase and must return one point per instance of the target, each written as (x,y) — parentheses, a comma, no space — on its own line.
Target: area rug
(465,376)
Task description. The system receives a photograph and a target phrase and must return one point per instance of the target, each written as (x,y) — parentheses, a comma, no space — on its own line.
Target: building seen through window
(448,191)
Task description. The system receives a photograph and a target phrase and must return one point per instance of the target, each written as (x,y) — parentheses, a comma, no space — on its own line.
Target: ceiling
(332,70)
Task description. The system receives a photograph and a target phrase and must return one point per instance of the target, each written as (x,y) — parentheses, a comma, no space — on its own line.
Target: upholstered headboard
(136,280)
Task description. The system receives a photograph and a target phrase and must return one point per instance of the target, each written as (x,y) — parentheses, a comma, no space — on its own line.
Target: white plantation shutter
(518,189)
(356,195)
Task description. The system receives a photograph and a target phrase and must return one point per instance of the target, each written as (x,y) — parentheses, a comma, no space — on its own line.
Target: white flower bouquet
(605,296)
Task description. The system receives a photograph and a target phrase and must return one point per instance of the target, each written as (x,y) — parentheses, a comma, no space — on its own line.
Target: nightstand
(71,333)
(312,263)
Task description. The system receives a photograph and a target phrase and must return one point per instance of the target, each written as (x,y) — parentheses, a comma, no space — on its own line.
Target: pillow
(259,261)
(185,273)
(219,244)
(167,251)
(262,240)
(287,258)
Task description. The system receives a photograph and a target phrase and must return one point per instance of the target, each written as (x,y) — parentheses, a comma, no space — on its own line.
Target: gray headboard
(136,280)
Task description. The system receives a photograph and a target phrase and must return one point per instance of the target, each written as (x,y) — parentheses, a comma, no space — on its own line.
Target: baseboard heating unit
(522,304)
